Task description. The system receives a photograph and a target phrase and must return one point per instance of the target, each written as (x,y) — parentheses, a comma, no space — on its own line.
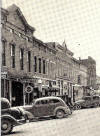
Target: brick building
(26,61)
(69,71)
(98,82)
(32,68)
(90,63)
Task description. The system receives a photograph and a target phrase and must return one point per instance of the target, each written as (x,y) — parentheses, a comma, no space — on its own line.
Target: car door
(87,102)
(45,108)
(53,103)
(40,108)
(37,108)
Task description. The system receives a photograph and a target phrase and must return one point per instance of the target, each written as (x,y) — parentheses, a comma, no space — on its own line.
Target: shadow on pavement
(14,133)
(51,118)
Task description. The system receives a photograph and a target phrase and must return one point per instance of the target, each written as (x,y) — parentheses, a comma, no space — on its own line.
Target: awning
(54,89)
(45,86)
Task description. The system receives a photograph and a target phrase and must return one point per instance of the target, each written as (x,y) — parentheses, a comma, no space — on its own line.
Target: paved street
(84,122)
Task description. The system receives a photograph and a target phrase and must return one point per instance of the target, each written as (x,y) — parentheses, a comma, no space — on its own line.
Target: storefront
(78,92)
(5,84)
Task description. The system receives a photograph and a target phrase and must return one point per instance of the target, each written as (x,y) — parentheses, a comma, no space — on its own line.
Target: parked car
(10,116)
(48,106)
(87,102)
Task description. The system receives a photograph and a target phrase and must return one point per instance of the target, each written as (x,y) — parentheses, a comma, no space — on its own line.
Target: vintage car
(87,102)
(10,116)
(48,106)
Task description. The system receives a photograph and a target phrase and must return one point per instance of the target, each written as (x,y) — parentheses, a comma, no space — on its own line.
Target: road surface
(84,122)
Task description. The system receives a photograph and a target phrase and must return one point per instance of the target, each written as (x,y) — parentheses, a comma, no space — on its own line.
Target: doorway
(17,93)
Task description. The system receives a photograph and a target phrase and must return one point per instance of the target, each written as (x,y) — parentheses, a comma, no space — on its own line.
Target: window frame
(3,53)
(40,65)
(29,60)
(35,63)
(44,67)
(13,55)
(21,58)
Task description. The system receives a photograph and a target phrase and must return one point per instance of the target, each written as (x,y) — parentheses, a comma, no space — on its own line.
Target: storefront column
(5,88)
(23,93)
(10,91)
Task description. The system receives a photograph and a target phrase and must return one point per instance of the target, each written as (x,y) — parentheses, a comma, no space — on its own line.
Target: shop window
(39,65)
(79,79)
(13,55)
(21,59)
(2,87)
(3,54)
(44,67)
(54,82)
(29,61)
(35,64)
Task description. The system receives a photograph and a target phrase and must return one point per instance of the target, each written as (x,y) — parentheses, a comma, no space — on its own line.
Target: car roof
(49,97)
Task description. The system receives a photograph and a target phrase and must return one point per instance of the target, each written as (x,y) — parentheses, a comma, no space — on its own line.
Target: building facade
(26,61)
(32,68)
(90,63)
(97,82)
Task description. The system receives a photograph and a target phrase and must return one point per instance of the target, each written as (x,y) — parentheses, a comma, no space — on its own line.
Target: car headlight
(22,111)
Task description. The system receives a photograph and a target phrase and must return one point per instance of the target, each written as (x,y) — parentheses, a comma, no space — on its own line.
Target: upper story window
(44,70)
(3,53)
(35,64)
(29,61)
(13,55)
(39,65)
(21,59)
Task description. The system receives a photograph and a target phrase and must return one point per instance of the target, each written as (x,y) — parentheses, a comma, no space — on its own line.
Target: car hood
(14,109)
(26,107)
(80,101)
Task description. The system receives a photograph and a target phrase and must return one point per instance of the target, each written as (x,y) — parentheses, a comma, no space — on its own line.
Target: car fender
(59,108)
(29,115)
(11,118)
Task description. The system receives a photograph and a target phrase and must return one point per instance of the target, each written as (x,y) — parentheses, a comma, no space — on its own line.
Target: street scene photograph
(50,68)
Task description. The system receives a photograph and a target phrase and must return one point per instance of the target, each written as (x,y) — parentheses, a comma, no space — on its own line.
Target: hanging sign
(29,89)
(3,75)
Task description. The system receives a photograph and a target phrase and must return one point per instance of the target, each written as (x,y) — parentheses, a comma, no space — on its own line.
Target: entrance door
(17,93)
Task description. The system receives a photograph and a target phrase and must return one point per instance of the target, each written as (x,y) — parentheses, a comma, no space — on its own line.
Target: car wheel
(6,126)
(77,107)
(59,114)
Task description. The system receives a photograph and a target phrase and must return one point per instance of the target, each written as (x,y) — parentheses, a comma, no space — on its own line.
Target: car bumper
(68,112)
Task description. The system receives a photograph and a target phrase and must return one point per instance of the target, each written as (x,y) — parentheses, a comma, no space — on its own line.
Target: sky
(75,21)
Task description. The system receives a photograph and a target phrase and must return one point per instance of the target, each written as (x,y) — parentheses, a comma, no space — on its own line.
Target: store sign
(3,75)
(29,89)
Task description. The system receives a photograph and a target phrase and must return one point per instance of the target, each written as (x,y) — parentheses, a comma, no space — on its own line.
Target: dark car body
(10,116)
(88,102)
(48,106)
